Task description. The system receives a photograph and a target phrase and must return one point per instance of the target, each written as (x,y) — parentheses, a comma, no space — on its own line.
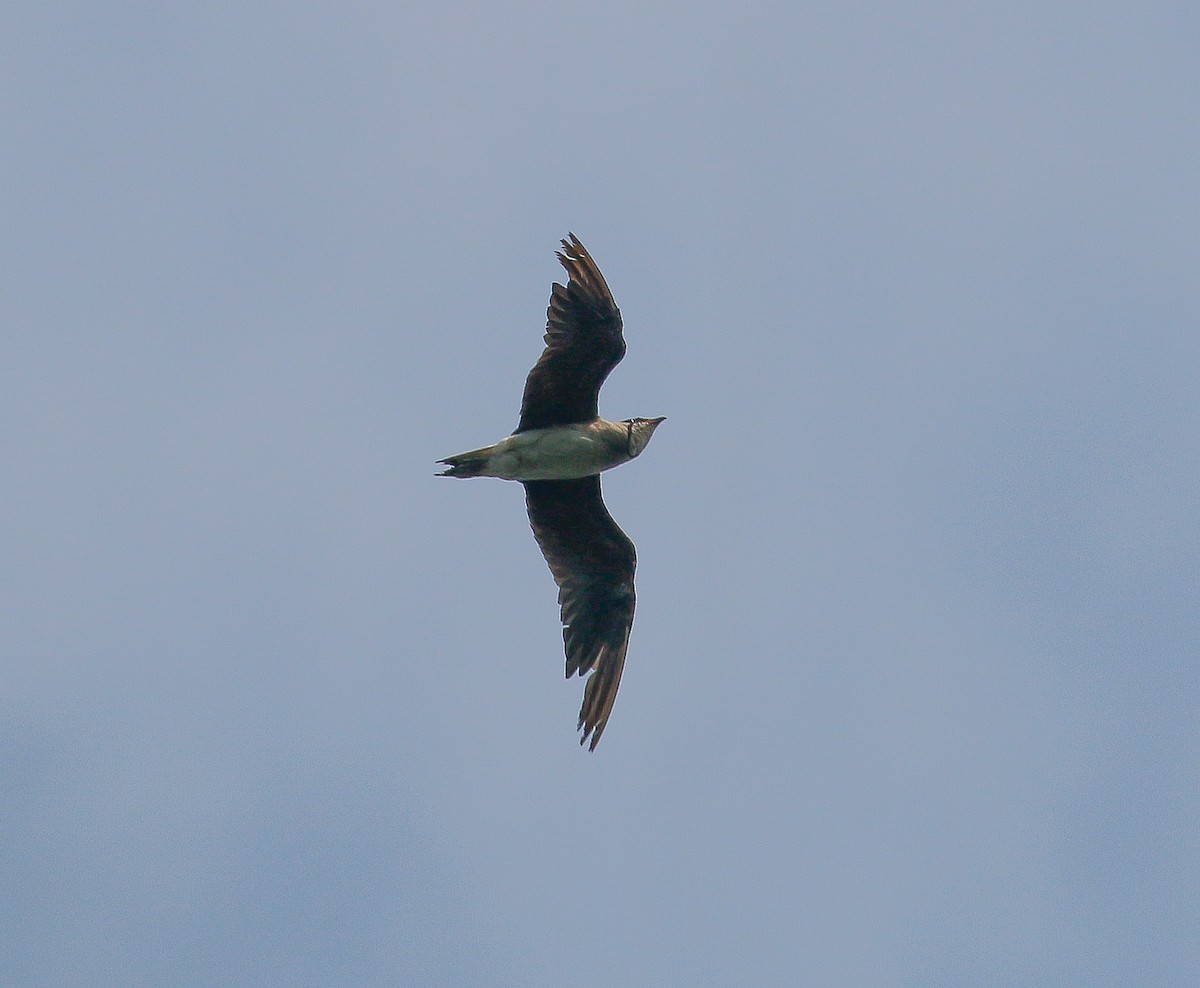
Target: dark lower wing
(593,563)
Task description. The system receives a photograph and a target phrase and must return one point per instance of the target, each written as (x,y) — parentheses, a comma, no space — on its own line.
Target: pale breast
(558,453)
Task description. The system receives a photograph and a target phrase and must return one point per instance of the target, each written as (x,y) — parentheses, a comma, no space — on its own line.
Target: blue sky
(912,692)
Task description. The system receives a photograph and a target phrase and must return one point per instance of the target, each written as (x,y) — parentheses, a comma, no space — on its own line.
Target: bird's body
(561,452)
(558,451)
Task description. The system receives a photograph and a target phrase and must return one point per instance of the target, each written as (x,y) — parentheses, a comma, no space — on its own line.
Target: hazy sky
(913,695)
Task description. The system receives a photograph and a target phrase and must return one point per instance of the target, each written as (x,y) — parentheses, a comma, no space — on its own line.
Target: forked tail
(464,464)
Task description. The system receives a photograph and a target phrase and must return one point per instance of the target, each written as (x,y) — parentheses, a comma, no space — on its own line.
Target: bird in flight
(558,450)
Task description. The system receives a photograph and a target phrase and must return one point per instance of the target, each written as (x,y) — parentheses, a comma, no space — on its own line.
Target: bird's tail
(469,464)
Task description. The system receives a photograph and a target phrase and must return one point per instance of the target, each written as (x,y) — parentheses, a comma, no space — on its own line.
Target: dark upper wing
(593,562)
(583,343)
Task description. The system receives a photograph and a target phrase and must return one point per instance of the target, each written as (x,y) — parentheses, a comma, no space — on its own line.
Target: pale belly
(554,454)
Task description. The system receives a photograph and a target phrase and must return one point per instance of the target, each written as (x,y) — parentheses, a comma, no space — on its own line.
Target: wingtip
(598,697)
(581,268)
(566,253)
(593,733)
(572,249)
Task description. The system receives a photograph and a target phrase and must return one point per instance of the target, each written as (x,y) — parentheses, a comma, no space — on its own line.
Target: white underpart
(560,453)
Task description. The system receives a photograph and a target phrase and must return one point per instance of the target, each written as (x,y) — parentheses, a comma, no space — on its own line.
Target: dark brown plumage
(558,450)
(593,564)
(592,560)
(584,343)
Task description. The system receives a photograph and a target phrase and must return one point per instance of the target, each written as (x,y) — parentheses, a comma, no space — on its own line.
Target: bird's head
(640,431)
